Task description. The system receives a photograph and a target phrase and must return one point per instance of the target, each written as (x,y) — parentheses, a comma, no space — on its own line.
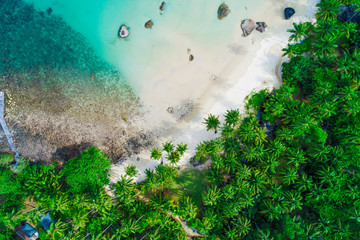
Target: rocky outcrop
(348,14)
(289,12)
(149,24)
(123,31)
(247,25)
(261,26)
(162,6)
(223,11)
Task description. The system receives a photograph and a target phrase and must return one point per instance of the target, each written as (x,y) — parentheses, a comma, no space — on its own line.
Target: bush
(7,185)
(87,172)
(6,159)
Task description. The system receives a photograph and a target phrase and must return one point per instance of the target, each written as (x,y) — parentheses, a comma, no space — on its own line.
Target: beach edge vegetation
(288,169)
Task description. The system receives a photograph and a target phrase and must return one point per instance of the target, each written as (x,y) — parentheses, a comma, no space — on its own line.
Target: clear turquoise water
(99,20)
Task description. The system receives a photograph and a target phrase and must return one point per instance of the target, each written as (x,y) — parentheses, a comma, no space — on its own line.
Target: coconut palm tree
(212,122)
(131,171)
(293,201)
(289,175)
(182,148)
(156,153)
(211,196)
(327,10)
(168,147)
(299,31)
(174,157)
(232,117)
(188,208)
(124,188)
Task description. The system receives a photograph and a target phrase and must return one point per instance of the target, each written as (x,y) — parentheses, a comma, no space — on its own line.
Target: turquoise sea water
(193,20)
(70,81)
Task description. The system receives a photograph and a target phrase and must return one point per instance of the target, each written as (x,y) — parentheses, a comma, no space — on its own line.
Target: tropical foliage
(286,169)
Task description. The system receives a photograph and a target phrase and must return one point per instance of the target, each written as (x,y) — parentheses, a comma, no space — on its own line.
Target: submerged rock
(247,25)
(223,11)
(123,31)
(289,12)
(191,57)
(261,26)
(49,11)
(149,24)
(347,13)
(162,6)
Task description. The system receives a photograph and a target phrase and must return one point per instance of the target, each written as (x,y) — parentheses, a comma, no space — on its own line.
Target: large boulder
(123,31)
(149,24)
(223,11)
(247,25)
(261,26)
(347,13)
(289,12)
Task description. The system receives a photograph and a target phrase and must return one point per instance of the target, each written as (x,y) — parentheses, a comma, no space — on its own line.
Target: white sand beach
(256,66)
(155,62)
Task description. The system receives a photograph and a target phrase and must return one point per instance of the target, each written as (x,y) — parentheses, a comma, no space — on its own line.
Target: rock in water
(247,25)
(347,13)
(149,24)
(162,6)
(123,31)
(223,11)
(289,12)
(261,26)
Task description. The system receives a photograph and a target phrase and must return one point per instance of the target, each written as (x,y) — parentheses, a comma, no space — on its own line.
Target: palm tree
(289,175)
(232,117)
(300,31)
(293,201)
(188,209)
(156,153)
(174,157)
(211,196)
(131,171)
(271,210)
(212,122)
(57,230)
(124,188)
(320,152)
(182,148)
(327,10)
(243,226)
(257,181)
(325,46)
(168,147)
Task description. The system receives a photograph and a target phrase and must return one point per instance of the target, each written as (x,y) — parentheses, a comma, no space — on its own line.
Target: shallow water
(60,95)
(148,58)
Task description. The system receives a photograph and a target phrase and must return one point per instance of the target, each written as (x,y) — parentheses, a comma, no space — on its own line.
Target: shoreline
(262,71)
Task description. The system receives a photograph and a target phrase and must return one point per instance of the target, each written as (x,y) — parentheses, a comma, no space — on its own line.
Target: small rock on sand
(170,110)
(247,25)
(223,11)
(191,57)
(261,26)
(149,24)
(123,31)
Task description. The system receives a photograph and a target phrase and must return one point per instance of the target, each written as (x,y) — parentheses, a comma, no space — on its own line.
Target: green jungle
(288,169)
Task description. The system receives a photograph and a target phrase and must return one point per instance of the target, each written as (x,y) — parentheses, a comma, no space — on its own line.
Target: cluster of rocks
(248,25)
(124,30)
